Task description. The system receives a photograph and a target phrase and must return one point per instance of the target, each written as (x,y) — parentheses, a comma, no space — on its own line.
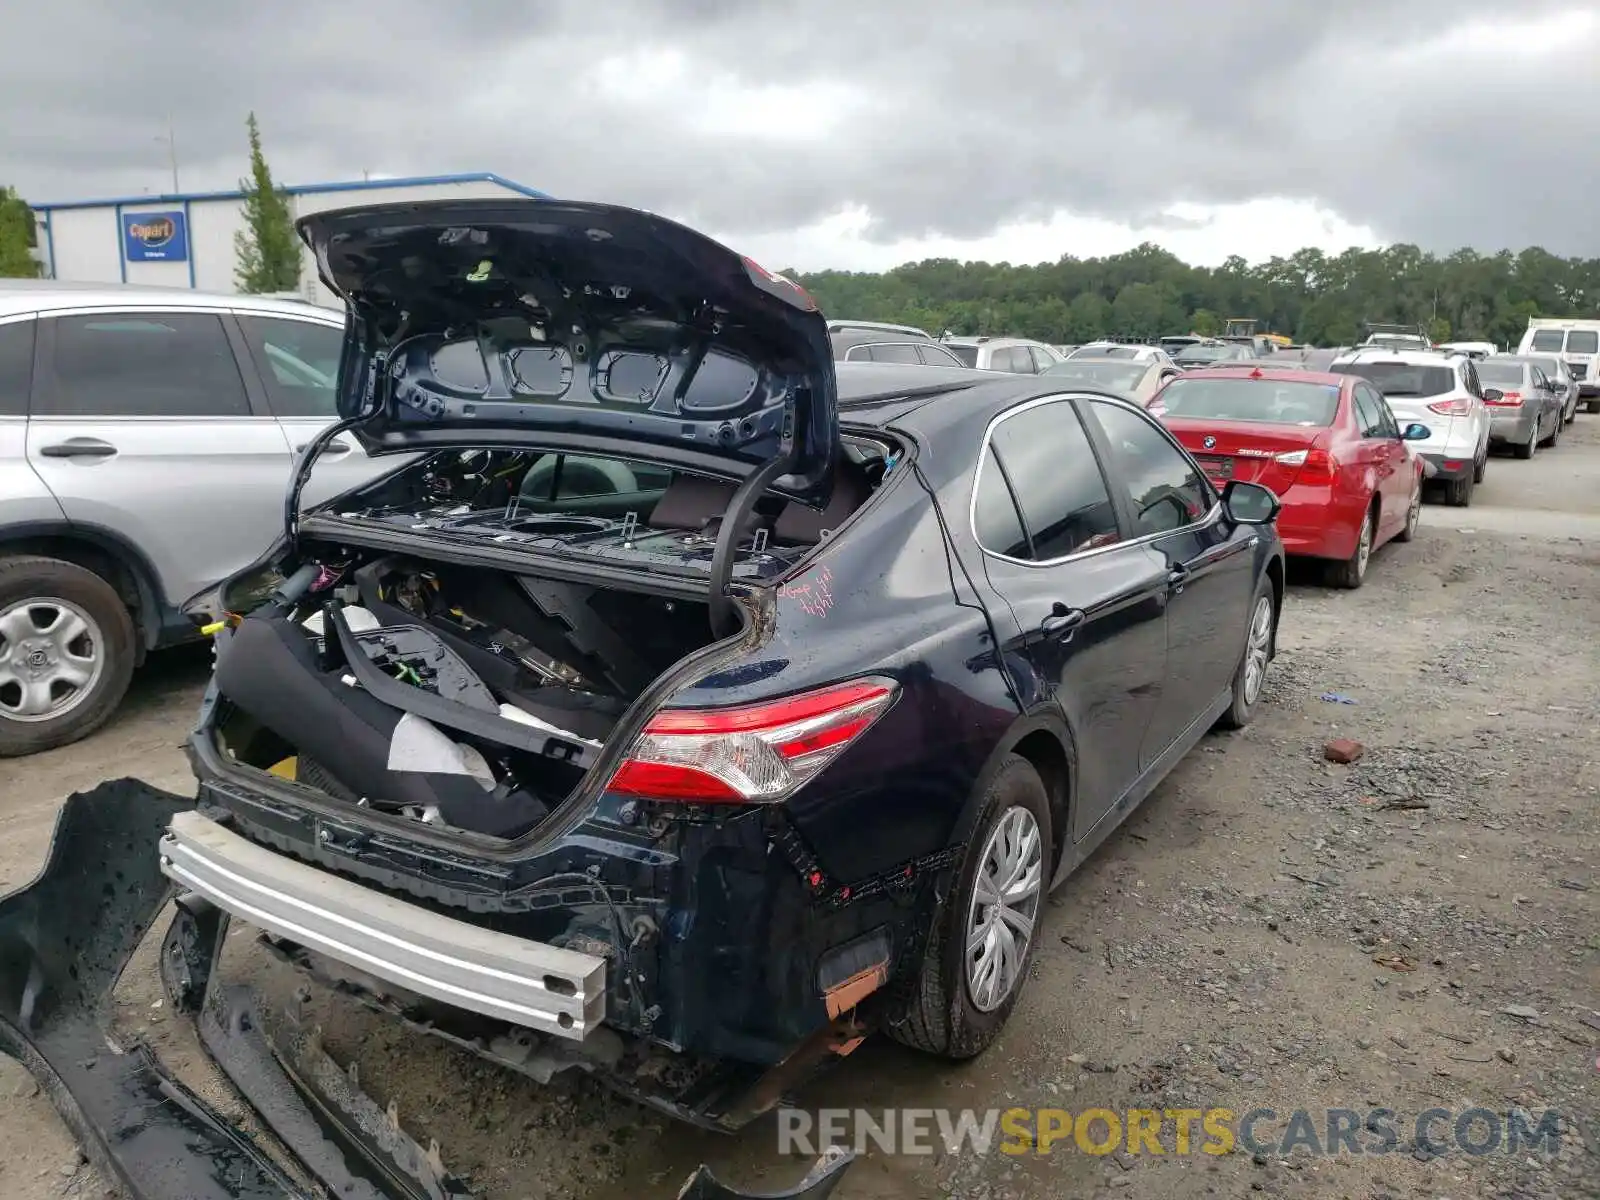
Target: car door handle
(334,448)
(1177,576)
(78,448)
(1062,622)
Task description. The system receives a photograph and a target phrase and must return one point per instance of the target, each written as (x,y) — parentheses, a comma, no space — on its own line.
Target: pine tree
(17,237)
(267,249)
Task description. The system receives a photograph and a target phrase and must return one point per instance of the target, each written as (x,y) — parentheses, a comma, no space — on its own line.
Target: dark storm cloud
(952,118)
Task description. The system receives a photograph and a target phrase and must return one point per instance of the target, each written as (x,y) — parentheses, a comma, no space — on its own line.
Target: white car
(1132,353)
(1441,391)
(1019,356)
(1578,345)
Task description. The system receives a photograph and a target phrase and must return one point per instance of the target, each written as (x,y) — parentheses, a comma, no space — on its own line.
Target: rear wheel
(1251,675)
(1480,465)
(1530,447)
(1352,572)
(1555,434)
(1413,515)
(1458,492)
(1593,406)
(66,653)
(979,949)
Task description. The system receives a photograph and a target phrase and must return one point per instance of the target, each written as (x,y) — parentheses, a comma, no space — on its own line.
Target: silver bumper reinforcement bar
(546,988)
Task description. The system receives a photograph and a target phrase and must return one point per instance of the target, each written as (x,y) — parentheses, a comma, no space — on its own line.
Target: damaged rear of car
(503,744)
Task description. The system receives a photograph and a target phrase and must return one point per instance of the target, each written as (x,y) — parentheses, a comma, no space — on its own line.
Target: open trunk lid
(596,328)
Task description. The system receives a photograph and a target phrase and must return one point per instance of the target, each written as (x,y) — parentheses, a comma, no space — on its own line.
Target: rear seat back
(692,502)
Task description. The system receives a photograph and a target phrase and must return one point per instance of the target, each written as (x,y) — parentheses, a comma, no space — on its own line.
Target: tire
(1247,690)
(1408,532)
(1352,572)
(1593,406)
(30,590)
(1526,450)
(1555,434)
(939,1013)
(1458,492)
(1480,466)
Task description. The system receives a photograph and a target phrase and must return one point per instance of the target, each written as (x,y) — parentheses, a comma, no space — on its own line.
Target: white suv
(1020,356)
(1577,343)
(1442,392)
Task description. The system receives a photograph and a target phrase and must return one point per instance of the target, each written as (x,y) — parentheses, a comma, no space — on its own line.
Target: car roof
(882,394)
(991,341)
(45,295)
(856,335)
(1411,358)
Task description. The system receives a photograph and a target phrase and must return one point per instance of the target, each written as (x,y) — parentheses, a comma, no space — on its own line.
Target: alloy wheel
(52,654)
(1257,648)
(1004,908)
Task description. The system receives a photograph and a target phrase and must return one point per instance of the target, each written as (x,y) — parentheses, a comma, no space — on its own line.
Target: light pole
(171,139)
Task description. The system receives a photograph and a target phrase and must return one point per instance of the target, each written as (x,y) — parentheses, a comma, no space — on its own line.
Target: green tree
(17,238)
(1205,322)
(267,249)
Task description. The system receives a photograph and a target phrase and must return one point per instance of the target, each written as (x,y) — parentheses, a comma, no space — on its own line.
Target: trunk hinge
(724,613)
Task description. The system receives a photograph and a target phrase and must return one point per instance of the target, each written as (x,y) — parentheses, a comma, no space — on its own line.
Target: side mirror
(1493,394)
(1416,433)
(1250,503)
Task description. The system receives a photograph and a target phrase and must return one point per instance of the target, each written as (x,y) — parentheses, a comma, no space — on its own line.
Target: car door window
(299,363)
(16,366)
(1042,361)
(938,356)
(896,352)
(1368,414)
(1017,360)
(1167,490)
(143,364)
(1045,456)
(1391,427)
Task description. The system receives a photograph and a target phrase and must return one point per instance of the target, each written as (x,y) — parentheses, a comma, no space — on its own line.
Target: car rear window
(1107,373)
(1269,400)
(1207,353)
(1105,352)
(1583,341)
(967,354)
(1402,379)
(1548,339)
(1500,372)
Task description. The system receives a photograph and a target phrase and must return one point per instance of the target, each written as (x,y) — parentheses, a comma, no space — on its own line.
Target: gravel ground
(1417,930)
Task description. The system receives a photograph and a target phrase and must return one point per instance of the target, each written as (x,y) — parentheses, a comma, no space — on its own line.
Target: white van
(1578,344)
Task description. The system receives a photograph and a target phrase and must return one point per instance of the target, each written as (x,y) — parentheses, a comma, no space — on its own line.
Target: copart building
(187,240)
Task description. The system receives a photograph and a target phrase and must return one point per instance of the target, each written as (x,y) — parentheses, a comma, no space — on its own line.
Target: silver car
(1528,412)
(1019,356)
(1558,373)
(146,439)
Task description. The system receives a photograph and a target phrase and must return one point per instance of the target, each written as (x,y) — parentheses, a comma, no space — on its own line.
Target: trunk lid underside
(576,326)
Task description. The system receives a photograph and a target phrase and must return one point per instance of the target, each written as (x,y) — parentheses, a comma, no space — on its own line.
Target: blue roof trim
(302,189)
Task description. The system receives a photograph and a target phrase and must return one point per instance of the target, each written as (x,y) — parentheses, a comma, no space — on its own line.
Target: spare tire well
(114,568)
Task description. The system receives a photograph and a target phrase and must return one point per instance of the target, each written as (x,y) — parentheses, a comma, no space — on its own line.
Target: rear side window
(938,356)
(896,352)
(1548,340)
(1165,487)
(994,513)
(16,367)
(1583,341)
(299,363)
(143,365)
(967,354)
(1065,506)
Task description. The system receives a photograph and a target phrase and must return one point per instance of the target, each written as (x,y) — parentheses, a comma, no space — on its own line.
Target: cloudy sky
(861,133)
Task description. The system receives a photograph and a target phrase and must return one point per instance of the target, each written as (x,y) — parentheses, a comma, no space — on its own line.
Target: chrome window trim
(1055,398)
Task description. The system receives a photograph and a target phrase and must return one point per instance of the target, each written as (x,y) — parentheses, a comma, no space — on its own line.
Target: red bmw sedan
(1328,445)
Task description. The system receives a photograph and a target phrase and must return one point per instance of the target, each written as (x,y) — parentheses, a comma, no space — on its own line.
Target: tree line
(1310,296)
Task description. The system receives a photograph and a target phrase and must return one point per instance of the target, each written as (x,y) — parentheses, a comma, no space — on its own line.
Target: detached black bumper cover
(64,941)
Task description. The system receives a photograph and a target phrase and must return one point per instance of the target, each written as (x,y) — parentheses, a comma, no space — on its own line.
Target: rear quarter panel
(882,598)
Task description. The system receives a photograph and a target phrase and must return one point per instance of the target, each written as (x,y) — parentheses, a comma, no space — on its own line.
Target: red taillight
(1507,400)
(755,754)
(1459,406)
(1315,465)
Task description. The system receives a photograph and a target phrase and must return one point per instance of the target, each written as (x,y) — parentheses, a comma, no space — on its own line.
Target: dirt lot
(1269,930)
